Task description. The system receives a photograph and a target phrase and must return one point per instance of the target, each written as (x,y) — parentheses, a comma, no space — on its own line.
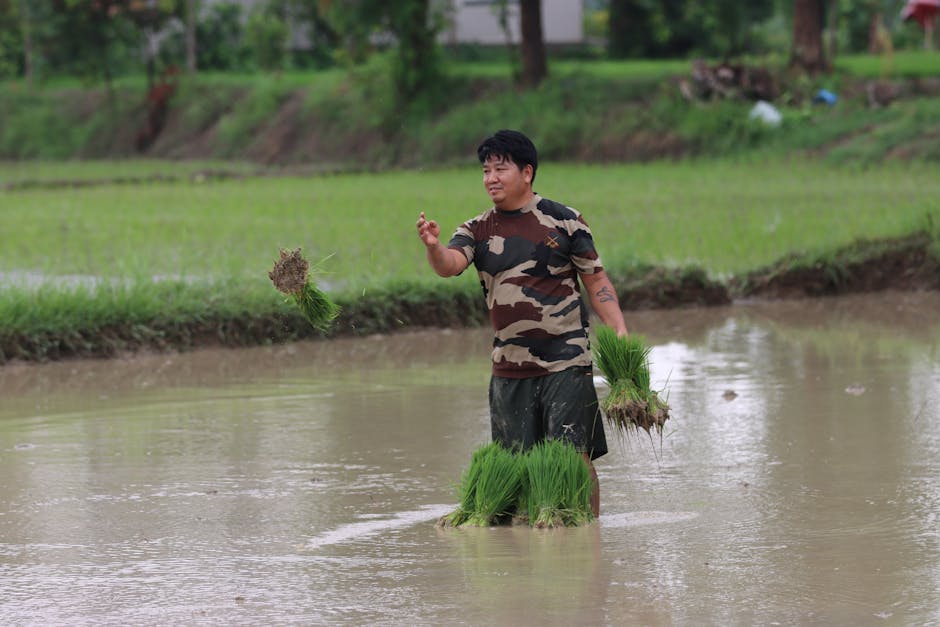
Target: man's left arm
(604,302)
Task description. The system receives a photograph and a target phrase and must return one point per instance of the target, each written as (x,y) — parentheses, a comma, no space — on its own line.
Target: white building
(478,22)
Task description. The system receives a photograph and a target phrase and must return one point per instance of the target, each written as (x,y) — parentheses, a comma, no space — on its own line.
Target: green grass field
(728,217)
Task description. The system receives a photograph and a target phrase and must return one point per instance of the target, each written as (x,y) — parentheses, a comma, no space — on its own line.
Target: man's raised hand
(428,230)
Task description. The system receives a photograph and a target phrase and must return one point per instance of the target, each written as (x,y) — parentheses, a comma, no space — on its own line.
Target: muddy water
(798,482)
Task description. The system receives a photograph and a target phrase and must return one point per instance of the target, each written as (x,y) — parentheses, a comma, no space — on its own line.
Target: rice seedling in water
(558,485)
(498,487)
(291,277)
(549,485)
(466,490)
(624,362)
(489,489)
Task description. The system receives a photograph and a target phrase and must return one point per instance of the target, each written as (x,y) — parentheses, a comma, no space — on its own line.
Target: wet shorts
(561,405)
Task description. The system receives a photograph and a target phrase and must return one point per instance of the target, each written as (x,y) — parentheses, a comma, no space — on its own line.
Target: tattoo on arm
(605,294)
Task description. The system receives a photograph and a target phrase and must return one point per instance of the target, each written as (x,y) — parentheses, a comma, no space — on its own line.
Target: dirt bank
(353,124)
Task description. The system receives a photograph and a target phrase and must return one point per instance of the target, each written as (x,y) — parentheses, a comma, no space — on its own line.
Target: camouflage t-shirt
(528,262)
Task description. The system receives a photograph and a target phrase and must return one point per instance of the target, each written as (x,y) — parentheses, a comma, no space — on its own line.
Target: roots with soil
(291,277)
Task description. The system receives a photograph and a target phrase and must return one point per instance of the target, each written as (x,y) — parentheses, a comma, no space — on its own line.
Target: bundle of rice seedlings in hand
(558,485)
(291,277)
(624,362)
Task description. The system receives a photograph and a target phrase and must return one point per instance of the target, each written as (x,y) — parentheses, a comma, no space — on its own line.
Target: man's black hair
(511,145)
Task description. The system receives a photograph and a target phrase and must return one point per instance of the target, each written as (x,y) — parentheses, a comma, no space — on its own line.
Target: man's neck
(518,204)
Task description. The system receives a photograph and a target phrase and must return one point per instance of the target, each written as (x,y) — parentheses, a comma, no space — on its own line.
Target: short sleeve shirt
(528,262)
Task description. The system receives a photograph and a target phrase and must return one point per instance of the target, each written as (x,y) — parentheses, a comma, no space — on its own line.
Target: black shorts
(562,405)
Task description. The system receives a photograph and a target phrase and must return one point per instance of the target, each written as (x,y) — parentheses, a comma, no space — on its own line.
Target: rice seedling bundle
(291,277)
(466,490)
(549,485)
(558,486)
(630,402)
(498,487)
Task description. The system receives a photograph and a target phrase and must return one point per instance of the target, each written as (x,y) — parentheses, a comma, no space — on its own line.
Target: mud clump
(290,272)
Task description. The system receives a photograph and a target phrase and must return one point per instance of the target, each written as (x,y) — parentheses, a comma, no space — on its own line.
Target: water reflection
(798,481)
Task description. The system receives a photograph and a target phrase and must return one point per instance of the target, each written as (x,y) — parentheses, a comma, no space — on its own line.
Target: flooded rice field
(797,482)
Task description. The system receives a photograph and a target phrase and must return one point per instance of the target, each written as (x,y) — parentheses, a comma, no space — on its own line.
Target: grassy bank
(586,111)
(99,269)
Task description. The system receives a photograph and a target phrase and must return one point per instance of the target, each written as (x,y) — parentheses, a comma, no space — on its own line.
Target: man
(529,253)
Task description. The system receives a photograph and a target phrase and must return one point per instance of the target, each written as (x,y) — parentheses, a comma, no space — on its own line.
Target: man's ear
(527,173)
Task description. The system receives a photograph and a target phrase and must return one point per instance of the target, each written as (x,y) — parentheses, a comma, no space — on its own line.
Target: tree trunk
(417,64)
(534,63)
(807,53)
(833,27)
(191,36)
(27,26)
(624,25)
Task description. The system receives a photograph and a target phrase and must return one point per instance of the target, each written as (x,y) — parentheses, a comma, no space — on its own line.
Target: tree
(417,65)
(92,38)
(627,28)
(412,24)
(310,19)
(678,28)
(27,26)
(266,34)
(808,54)
(191,16)
(500,9)
(15,39)
(534,63)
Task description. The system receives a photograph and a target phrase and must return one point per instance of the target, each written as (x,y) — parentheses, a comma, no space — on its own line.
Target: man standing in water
(529,253)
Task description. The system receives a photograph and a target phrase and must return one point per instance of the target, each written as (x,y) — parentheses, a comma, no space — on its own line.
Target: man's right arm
(446,261)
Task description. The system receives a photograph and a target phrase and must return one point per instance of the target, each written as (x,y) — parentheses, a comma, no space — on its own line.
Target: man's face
(508,186)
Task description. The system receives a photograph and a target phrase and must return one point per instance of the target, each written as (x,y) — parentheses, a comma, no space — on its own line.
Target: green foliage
(38,127)
(88,306)
(642,28)
(715,128)
(413,25)
(900,64)
(260,105)
(220,37)
(101,318)
(12,33)
(266,35)
(93,40)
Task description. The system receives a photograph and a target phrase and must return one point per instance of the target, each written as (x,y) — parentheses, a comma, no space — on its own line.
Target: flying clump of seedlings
(291,276)
(630,402)
(549,485)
